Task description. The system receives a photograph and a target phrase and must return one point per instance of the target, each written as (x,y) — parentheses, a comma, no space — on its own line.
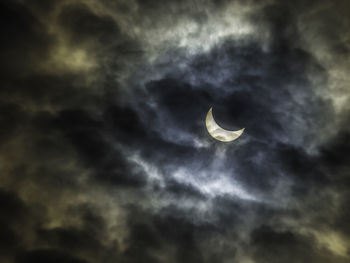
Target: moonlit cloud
(104,154)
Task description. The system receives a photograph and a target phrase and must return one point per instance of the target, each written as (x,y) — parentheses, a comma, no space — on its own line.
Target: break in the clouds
(104,154)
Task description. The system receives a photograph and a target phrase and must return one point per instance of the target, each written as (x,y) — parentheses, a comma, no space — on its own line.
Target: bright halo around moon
(219,133)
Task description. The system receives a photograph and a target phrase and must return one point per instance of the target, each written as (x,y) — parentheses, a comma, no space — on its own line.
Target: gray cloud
(104,154)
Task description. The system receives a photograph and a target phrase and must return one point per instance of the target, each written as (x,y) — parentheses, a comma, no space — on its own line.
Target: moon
(219,133)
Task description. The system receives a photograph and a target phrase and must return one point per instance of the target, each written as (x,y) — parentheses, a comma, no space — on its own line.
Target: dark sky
(104,154)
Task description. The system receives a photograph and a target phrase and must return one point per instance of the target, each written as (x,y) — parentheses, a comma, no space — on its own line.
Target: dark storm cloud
(26,91)
(102,36)
(284,244)
(12,209)
(24,40)
(334,154)
(72,188)
(47,255)
(84,240)
(330,22)
(11,117)
(42,6)
(96,149)
(84,25)
(166,231)
(18,218)
(335,160)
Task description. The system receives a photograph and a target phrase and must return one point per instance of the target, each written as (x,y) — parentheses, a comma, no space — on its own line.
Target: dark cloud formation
(284,244)
(104,155)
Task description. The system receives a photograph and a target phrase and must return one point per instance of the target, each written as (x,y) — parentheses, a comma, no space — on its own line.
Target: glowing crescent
(219,133)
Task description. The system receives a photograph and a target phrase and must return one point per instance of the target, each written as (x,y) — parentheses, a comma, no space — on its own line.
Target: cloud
(47,255)
(104,153)
(286,243)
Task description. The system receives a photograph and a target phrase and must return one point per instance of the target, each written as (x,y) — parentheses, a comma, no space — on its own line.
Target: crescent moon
(219,133)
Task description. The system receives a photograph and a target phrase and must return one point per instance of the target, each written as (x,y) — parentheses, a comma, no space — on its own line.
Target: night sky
(104,152)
